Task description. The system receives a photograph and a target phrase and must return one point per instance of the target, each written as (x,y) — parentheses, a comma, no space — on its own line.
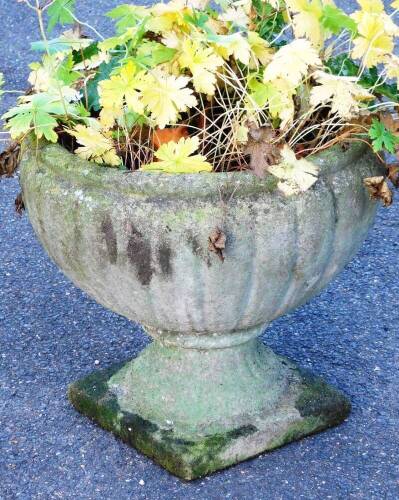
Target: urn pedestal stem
(205,403)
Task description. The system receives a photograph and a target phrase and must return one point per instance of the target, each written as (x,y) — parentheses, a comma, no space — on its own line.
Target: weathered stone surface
(139,244)
(295,405)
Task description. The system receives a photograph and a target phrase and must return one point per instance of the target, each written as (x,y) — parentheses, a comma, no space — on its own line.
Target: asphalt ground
(51,334)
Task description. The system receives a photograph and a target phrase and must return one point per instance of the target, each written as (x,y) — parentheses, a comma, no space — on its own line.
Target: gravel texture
(51,334)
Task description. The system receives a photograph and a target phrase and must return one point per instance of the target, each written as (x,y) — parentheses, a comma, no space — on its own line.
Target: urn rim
(70,168)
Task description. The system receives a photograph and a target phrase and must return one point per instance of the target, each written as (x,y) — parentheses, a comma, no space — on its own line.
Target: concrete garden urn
(206,393)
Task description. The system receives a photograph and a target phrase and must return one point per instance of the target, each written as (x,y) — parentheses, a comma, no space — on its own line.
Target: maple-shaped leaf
(36,113)
(177,158)
(382,138)
(235,45)
(335,20)
(261,52)
(166,15)
(295,175)
(119,91)
(53,71)
(150,54)
(306,20)
(375,40)
(276,96)
(60,12)
(127,16)
(96,145)
(202,63)
(165,97)
(342,93)
(291,62)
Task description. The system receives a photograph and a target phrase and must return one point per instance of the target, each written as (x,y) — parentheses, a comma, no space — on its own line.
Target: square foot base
(312,406)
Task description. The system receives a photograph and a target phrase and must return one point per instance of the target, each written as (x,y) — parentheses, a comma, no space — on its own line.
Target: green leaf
(150,54)
(65,72)
(269,22)
(103,73)
(382,138)
(260,92)
(128,16)
(52,46)
(37,115)
(129,120)
(198,19)
(335,20)
(342,65)
(20,124)
(59,12)
(44,125)
(85,53)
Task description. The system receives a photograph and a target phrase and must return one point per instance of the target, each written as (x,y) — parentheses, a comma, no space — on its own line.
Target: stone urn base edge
(307,406)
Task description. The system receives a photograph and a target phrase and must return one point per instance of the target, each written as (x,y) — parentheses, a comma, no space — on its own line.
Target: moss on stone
(186,458)
(298,430)
(320,399)
(193,456)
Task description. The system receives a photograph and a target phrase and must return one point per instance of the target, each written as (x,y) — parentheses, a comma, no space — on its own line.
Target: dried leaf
(379,189)
(9,159)
(393,174)
(262,148)
(295,175)
(217,242)
(162,136)
(391,123)
(19,204)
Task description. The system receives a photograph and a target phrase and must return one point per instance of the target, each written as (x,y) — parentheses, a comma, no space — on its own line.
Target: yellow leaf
(119,91)
(236,46)
(95,145)
(307,20)
(342,93)
(176,158)
(261,51)
(296,176)
(276,97)
(371,6)
(203,64)
(374,41)
(282,103)
(165,96)
(240,132)
(395,4)
(392,68)
(291,62)
(167,15)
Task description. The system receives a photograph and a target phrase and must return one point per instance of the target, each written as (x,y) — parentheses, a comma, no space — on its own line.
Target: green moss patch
(189,457)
